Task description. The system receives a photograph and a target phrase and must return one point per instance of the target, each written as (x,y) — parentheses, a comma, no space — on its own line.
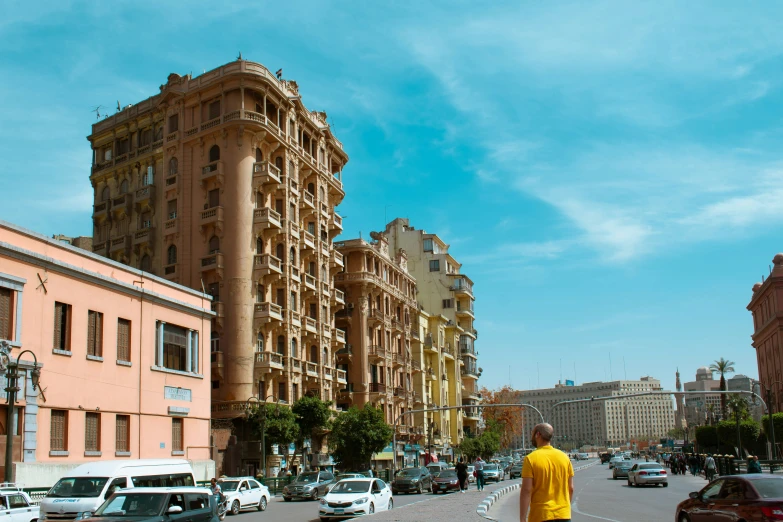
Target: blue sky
(609,176)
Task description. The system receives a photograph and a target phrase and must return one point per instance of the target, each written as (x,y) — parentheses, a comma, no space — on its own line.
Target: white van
(79,494)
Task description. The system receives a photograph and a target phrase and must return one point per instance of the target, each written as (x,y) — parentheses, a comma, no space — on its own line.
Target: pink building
(123,357)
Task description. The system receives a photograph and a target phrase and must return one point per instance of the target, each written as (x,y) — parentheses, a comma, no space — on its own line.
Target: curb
(484,505)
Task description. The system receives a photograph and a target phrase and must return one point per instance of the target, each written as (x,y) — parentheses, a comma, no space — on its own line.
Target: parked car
(412,479)
(493,472)
(515,471)
(621,470)
(17,504)
(356,497)
(244,493)
(471,477)
(445,481)
(349,475)
(733,498)
(308,485)
(158,505)
(437,467)
(581,456)
(645,473)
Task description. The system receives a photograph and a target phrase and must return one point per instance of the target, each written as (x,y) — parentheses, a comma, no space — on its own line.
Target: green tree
(738,407)
(723,366)
(279,423)
(471,448)
(707,436)
(777,419)
(749,432)
(677,433)
(357,434)
(313,416)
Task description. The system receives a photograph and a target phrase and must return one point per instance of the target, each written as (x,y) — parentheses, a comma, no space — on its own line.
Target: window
(174,348)
(259,155)
(176,434)
(214,198)
(215,341)
(259,246)
(174,123)
(281,392)
(294,392)
(123,146)
(435,265)
(214,245)
(171,255)
(124,187)
(173,166)
(428,245)
(62,327)
(149,176)
(6,313)
(281,344)
(123,340)
(105,194)
(293,347)
(94,333)
(146,263)
(92,432)
(17,501)
(214,111)
(214,153)
(58,431)
(260,342)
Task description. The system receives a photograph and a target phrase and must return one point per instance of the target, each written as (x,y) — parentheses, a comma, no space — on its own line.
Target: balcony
(417,398)
(328,373)
(471,413)
(326,290)
(219,309)
(414,329)
(341,375)
(326,331)
(212,171)
(338,258)
(377,352)
(470,370)
(170,271)
(344,354)
(311,369)
(429,345)
(121,205)
(293,186)
(311,285)
(265,265)
(100,210)
(325,246)
(465,311)
(376,315)
(324,210)
(292,228)
(399,393)
(293,365)
(308,240)
(170,227)
(266,219)
(467,349)
(213,261)
(264,173)
(398,360)
(338,296)
(119,244)
(376,387)
(447,350)
(100,247)
(462,286)
(145,197)
(216,362)
(337,221)
(268,312)
(212,216)
(268,361)
(415,366)
(295,273)
(144,237)
(171,182)
(294,318)
(308,201)
(311,325)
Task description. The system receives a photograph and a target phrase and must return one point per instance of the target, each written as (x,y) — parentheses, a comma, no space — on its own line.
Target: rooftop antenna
(118,106)
(624,372)
(610,367)
(97,111)
(240,55)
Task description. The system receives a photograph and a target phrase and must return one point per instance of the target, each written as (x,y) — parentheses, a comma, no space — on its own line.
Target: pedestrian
(683,465)
(753,464)
(547,480)
(462,475)
(709,467)
(478,467)
(216,491)
(693,462)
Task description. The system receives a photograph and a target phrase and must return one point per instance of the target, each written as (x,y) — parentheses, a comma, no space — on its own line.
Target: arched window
(325,359)
(214,244)
(311,188)
(293,347)
(291,169)
(146,263)
(259,246)
(399,313)
(260,342)
(292,255)
(314,354)
(172,255)
(324,274)
(173,166)
(105,194)
(321,194)
(279,251)
(259,199)
(279,162)
(124,187)
(281,344)
(214,153)
(259,155)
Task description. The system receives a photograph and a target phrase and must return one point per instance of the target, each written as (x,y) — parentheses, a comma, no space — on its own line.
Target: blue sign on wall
(569,383)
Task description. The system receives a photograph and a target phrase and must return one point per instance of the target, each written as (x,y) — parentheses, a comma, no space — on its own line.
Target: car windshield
(769,488)
(409,473)
(351,486)
(132,505)
(75,487)
(308,477)
(447,474)
(490,467)
(228,485)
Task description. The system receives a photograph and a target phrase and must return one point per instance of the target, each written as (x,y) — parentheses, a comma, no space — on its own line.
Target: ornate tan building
(227,182)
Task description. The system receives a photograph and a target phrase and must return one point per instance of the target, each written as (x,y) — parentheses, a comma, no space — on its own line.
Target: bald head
(546,431)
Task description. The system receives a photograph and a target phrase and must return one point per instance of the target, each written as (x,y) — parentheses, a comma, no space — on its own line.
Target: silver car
(647,473)
(493,472)
(621,469)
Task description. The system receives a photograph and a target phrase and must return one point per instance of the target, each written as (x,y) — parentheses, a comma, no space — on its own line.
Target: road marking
(576,509)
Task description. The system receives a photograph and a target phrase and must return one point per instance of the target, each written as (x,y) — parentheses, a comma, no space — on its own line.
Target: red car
(445,481)
(735,498)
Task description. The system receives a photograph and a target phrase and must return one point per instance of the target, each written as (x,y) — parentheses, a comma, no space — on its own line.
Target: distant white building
(701,409)
(745,383)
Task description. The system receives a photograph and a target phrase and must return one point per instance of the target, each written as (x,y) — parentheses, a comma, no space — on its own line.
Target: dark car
(158,505)
(515,471)
(605,457)
(735,497)
(309,486)
(412,480)
(445,481)
(621,469)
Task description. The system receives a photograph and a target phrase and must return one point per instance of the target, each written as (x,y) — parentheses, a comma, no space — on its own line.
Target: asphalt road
(597,497)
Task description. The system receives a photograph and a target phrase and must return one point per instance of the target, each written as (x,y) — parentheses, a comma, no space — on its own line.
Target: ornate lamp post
(11,369)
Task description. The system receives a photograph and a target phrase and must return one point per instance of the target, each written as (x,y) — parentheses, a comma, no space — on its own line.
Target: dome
(778,259)
(756,287)
(703,369)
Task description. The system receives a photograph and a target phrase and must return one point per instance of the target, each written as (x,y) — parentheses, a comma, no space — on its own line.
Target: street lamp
(11,368)
(768,391)
(262,416)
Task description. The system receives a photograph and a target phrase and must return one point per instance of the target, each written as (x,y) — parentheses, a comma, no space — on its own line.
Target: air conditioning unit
(349,307)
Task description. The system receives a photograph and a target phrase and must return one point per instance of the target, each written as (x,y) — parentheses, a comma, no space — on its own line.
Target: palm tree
(723,366)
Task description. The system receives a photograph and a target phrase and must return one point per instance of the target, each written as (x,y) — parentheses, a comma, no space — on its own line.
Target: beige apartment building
(447,296)
(702,408)
(605,422)
(226,182)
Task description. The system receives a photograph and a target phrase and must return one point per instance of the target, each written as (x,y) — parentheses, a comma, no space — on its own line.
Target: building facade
(766,307)
(702,408)
(123,357)
(611,422)
(227,182)
(445,292)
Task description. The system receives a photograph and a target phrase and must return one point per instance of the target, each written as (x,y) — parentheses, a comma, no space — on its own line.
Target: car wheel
(684,518)
(372,508)
(394,492)
(235,507)
(287,499)
(630,484)
(419,489)
(666,484)
(390,504)
(314,496)
(262,503)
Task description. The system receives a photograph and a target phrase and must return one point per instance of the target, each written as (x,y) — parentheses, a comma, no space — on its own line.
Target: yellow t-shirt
(550,469)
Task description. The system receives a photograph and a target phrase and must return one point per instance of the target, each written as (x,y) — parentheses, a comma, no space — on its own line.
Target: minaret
(679,416)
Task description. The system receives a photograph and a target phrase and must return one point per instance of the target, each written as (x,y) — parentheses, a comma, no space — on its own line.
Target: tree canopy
(279,423)
(723,366)
(508,421)
(357,434)
(313,417)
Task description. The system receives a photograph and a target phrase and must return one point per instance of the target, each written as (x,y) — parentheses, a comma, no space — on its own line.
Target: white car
(471,476)
(355,497)
(244,493)
(16,505)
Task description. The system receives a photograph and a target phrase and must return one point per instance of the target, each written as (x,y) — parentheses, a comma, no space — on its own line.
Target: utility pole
(771,423)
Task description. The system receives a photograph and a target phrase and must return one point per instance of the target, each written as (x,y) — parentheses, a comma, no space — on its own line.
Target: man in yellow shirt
(547,481)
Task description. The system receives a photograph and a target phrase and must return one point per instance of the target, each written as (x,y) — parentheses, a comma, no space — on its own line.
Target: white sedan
(356,497)
(244,493)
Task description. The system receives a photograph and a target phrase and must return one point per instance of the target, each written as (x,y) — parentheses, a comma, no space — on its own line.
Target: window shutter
(176,434)
(91,333)
(91,432)
(98,334)
(58,325)
(121,438)
(5,313)
(57,431)
(123,340)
